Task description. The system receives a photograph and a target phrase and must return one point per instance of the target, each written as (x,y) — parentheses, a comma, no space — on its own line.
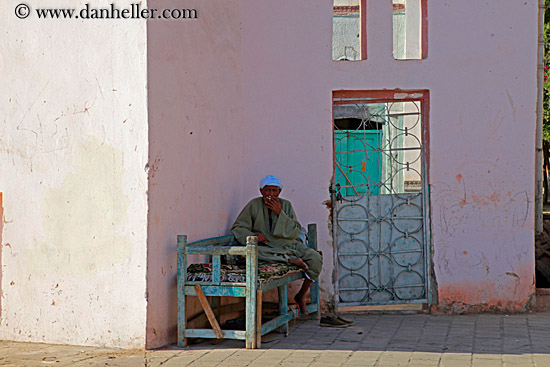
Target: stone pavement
(375,340)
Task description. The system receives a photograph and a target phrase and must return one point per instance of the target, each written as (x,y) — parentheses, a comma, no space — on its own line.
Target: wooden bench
(251,289)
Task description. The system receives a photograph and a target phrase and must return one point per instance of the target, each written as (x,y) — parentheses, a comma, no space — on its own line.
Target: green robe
(283,241)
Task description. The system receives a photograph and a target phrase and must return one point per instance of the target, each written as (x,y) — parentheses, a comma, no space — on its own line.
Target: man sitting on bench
(274,222)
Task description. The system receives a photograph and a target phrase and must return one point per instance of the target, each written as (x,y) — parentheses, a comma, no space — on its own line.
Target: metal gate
(380,202)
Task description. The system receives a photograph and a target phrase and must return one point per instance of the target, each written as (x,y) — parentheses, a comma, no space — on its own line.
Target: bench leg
(250,340)
(182,319)
(314,294)
(215,304)
(258,319)
(283,306)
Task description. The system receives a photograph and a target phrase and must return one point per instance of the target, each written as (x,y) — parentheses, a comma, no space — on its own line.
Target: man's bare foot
(299,263)
(300,300)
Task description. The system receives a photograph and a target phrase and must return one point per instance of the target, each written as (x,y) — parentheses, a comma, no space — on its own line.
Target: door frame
(341,97)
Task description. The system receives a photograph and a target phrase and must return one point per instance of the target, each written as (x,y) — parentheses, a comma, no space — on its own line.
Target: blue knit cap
(270,181)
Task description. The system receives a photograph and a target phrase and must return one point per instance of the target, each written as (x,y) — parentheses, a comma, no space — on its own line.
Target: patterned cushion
(237,274)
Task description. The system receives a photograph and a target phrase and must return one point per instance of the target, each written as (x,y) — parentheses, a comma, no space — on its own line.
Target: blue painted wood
(283,306)
(251,286)
(216,250)
(280,281)
(359,149)
(253,330)
(311,308)
(276,322)
(216,269)
(258,324)
(220,291)
(229,239)
(182,274)
(209,333)
(223,284)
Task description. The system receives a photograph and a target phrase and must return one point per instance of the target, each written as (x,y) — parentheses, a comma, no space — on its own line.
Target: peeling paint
(510,294)
(408,95)
(154,167)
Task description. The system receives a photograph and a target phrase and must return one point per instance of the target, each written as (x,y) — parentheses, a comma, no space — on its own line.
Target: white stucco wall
(345,37)
(73,150)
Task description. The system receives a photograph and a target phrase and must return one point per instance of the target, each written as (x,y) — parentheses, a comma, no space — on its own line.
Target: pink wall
(196,143)
(253,81)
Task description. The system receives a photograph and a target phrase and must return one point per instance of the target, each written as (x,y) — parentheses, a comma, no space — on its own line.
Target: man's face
(270,192)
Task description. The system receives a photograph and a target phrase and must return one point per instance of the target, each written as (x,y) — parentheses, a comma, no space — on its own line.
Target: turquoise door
(358,161)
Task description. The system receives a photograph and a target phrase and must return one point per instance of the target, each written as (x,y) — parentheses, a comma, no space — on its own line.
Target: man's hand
(261,237)
(274,204)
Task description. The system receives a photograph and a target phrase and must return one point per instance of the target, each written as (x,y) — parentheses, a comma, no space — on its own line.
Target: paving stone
(122,361)
(296,364)
(325,364)
(292,360)
(257,363)
(455,360)
(422,356)
(482,363)
(541,360)
(455,363)
(375,340)
(360,364)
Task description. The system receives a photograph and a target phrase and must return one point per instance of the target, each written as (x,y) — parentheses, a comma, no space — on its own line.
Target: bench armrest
(250,251)
(215,250)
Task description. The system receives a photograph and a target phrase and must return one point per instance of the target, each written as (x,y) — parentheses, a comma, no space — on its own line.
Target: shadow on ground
(481,333)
